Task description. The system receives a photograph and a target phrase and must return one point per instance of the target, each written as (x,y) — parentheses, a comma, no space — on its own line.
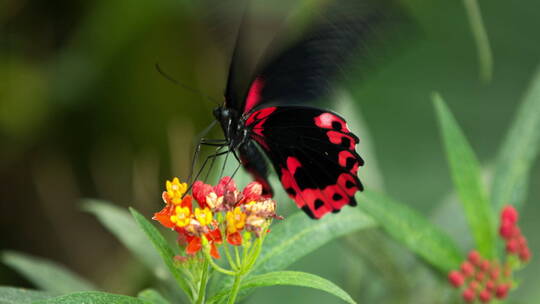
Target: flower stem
(204,280)
(235,289)
(206,251)
(229,258)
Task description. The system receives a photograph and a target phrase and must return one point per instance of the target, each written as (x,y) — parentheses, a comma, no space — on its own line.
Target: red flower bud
(480,276)
(525,254)
(467,269)
(474,285)
(490,285)
(474,257)
(226,184)
(485,265)
(516,232)
(468,295)
(485,296)
(494,274)
(455,278)
(501,291)
(512,246)
(200,190)
(509,213)
(252,191)
(521,242)
(506,230)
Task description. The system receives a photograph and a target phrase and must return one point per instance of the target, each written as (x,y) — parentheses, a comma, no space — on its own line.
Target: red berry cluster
(483,279)
(516,244)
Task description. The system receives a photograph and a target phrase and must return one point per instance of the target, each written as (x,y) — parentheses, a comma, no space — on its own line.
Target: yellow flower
(235,220)
(181,216)
(204,216)
(175,190)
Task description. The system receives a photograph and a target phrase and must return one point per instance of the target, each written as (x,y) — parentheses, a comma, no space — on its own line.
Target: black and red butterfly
(312,150)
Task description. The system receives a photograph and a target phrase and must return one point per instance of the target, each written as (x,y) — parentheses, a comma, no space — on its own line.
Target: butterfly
(312,150)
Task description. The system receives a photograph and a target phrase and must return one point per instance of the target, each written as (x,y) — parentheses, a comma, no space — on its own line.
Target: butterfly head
(229,120)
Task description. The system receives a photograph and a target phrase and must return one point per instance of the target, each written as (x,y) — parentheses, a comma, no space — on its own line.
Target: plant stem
(229,258)
(204,280)
(235,288)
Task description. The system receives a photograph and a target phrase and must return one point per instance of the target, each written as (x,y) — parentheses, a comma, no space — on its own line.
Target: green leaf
(92,297)
(467,177)
(291,278)
(14,295)
(518,151)
(412,229)
(162,247)
(481,39)
(299,235)
(152,296)
(40,272)
(120,223)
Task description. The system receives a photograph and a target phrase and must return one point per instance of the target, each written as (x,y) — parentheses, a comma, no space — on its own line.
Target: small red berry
(506,229)
(490,285)
(510,214)
(468,295)
(485,296)
(501,291)
(512,246)
(467,269)
(525,254)
(455,278)
(474,257)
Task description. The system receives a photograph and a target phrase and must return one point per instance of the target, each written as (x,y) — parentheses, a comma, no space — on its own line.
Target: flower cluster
(483,279)
(222,212)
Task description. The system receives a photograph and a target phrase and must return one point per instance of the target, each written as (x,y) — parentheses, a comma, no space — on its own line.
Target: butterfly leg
(204,142)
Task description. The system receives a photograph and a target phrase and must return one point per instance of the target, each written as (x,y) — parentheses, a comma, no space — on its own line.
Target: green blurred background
(84,113)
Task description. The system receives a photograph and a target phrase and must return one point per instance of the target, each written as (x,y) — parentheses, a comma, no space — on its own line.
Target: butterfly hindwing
(313,153)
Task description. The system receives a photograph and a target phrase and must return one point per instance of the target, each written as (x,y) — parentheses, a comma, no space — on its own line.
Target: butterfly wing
(306,70)
(313,153)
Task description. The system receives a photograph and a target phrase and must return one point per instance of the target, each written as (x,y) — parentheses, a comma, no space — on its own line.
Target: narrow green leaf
(291,278)
(92,297)
(152,296)
(518,151)
(15,295)
(412,229)
(40,271)
(299,235)
(467,177)
(162,247)
(481,39)
(120,223)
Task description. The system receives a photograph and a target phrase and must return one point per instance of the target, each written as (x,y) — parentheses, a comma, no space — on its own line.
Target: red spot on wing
(346,156)
(293,164)
(338,137)
(254,94)
(256,123)
(330,121)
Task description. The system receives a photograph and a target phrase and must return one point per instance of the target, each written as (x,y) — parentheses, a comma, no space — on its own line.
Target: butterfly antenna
(183,85)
